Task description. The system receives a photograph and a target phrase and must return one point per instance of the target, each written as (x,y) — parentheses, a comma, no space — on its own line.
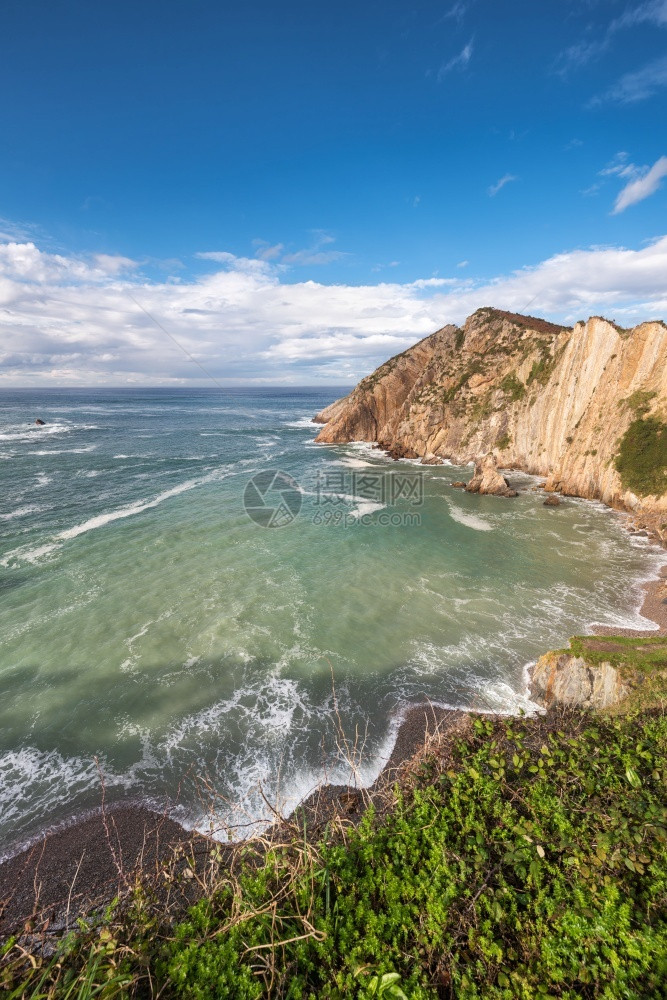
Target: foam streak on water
(147,621)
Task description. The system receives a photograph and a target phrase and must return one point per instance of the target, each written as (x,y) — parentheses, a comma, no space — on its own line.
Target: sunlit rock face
(569,681)
(550,400)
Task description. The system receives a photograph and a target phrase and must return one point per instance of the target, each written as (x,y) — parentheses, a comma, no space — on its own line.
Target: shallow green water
(147,621)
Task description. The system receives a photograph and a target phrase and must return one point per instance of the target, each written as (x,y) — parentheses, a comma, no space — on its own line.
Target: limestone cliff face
(549,400)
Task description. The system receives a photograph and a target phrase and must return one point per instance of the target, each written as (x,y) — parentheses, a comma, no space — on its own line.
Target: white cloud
(592,46)
(248,264)
(653,12)
(637,86)
(18,231)
(64,320)
(315,254)
(642,186)
(500,184)
(267,252)
(580,53)
(457,11)
(619,166)
(463,263)
(459,61)
(114,263)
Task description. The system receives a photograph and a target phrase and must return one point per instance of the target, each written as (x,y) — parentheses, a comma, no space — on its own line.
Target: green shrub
(541,371)
(642,458)
(513,387)
(639,401)
(504,441)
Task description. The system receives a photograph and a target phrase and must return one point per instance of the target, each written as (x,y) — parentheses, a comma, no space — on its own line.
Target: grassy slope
(527,859)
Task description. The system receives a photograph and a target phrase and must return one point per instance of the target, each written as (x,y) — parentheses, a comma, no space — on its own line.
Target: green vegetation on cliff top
(641,661)
(524,859)
(644,654)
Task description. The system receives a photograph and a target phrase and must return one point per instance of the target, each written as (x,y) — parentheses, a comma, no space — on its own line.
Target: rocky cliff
(583,406)
(570,681)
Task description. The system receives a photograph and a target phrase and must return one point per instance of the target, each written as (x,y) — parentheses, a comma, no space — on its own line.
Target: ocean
(202,609)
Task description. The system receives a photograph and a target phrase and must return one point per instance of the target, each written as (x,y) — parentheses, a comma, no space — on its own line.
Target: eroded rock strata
(554,401)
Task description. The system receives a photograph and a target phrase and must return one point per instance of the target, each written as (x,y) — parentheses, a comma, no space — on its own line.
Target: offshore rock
(488,480)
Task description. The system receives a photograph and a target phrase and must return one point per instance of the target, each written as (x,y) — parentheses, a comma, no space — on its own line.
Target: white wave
(262,774)
(129,510)
(19,432)
(366,507)
(353,463)
(34,783)
(467,519)
(303,422)
(128,665)
(21,512)
(64,451)
(501,699)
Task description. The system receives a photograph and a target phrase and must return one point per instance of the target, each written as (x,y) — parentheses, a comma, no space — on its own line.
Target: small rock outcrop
(552,501)
(40,423)
(488,480)
(568,680)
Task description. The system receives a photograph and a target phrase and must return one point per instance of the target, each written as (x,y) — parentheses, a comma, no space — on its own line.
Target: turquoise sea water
(152,631)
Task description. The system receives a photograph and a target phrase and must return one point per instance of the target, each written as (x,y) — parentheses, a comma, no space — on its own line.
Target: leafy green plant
(642,458)
(385,986)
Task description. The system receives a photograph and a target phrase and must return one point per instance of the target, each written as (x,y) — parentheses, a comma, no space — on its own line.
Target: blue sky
(298,190)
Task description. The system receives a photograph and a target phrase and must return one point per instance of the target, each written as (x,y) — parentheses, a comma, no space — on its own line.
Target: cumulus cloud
(459,61)
(640,187)
(500,184)
(65,320)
